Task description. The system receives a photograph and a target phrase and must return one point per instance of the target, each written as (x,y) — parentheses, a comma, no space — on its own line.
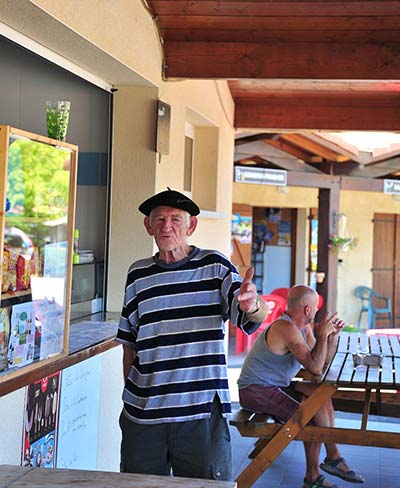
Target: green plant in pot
(57,119)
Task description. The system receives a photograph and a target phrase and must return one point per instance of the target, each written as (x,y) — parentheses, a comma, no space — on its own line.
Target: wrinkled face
(170,227)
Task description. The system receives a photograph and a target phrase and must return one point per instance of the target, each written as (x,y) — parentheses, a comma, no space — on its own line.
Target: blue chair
(367,296)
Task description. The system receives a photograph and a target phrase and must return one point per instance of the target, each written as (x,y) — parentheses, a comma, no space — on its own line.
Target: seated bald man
(265,382)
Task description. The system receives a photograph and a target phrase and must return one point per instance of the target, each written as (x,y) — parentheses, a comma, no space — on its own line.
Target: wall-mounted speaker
(163,127)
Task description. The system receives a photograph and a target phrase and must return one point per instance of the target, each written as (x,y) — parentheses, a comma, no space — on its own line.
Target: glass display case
(37,207)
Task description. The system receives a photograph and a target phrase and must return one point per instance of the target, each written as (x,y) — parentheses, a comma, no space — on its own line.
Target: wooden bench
(264,426)
(246,421)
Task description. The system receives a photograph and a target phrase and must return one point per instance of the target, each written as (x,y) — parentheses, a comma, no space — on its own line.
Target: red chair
(276,305)
(283,292)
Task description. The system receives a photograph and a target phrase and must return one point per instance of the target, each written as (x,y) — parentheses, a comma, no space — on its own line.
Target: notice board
(79,415)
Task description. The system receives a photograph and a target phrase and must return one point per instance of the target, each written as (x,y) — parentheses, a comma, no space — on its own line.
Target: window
(189,157)
(201,160)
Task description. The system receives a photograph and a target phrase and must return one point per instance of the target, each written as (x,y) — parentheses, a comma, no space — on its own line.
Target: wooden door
(386,263)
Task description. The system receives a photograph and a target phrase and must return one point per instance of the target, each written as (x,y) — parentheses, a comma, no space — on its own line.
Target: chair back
(276,305)
(283,292)
(363,292)
(320,301)
(373,303)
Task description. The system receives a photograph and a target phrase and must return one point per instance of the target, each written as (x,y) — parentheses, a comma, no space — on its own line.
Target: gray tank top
(264,367)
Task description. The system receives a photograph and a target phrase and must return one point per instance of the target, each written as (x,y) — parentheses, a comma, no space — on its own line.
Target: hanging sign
(261,176)
(391,186)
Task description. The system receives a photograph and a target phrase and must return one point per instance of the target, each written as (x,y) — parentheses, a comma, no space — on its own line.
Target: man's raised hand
(247,297)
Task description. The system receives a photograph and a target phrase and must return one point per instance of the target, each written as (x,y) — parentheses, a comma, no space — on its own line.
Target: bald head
(300,296)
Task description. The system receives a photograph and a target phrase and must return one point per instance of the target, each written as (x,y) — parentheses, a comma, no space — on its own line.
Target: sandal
(331,466)
(318,483)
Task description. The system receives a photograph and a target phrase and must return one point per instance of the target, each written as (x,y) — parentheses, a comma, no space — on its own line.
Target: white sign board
(79,415)
(261,176)
(391,186)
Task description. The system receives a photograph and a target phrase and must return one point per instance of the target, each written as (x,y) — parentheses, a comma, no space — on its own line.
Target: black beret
(169,198)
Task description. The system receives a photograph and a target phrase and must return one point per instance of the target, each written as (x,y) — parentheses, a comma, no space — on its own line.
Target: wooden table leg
(285,435)
(366,408)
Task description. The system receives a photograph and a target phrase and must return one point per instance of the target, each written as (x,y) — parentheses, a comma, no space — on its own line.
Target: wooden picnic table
(363,382)
(20,476)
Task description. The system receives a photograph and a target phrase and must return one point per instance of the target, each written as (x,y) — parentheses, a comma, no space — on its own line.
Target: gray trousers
(193,449)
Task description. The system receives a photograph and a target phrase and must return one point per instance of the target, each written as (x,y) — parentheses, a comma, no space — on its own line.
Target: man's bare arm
(129,354)
(312,357)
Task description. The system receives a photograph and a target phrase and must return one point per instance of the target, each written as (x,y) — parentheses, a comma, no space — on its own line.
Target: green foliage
(342,244)
(38,184)
(351,328)
(38,187)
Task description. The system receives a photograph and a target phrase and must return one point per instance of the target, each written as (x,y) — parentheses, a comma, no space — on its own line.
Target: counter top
(20,476)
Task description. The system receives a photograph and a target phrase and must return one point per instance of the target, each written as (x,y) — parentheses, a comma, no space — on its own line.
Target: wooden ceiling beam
(296,178)
(274,155)
(255,8)
(334,143)
(255,137)
(308,22)
(252,88)
(360,184)
(312,146)
(318,113)
(279,35)
(296,151)
(296,60)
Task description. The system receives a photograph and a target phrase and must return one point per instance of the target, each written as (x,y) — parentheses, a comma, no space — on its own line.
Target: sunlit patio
(379,466)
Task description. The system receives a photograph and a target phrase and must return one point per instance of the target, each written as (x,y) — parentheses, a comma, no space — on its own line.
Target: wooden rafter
(315,147)
(320,112)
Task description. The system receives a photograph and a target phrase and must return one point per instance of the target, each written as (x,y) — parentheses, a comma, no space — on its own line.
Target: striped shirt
(173,315)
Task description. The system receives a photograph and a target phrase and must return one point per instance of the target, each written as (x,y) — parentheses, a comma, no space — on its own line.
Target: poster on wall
(241,228)
(40,422)
(22,335)
(284,233)
(79,415)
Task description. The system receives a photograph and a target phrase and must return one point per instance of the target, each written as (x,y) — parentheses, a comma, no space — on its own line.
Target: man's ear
(192,225)
(146,222)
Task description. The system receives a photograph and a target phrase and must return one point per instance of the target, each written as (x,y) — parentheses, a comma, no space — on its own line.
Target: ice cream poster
(41,422)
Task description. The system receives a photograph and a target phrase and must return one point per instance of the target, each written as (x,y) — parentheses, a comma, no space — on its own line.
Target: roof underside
(295,69)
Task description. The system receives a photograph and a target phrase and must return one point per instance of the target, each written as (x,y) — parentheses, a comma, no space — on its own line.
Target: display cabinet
(37,208)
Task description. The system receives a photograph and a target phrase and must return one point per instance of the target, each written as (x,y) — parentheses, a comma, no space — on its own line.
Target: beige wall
(121,28)
(355,268)
(274,196)
(359,207)
(132,180)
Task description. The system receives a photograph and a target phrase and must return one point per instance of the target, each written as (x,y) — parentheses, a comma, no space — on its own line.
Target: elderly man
(176,395)
(265,381)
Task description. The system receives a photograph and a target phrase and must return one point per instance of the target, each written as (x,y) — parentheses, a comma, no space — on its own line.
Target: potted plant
(339,244)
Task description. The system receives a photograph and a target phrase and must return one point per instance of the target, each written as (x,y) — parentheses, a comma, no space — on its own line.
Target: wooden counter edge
(9,385)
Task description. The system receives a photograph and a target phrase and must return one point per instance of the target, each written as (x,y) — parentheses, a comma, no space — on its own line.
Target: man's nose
(166,224)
